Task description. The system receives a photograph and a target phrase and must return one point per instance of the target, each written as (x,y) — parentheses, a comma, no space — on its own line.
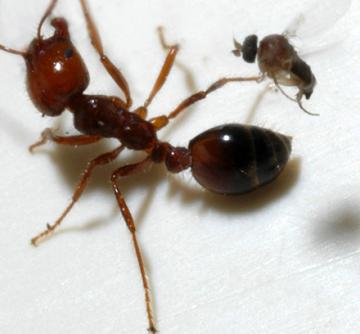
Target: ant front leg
(166,68)
(114,72)
(100,160)
(162,76)
(121,172)
(48,134)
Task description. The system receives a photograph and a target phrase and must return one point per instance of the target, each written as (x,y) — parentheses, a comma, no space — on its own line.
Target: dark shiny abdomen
(234,159)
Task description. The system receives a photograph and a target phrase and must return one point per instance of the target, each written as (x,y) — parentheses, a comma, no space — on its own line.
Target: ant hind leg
(100,160)
(121,172)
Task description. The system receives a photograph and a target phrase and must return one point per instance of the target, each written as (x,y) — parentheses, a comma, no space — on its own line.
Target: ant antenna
(13,51)
(45,16)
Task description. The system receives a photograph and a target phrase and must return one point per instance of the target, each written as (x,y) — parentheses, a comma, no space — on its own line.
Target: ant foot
(45,136)
(152,329)
(36,240)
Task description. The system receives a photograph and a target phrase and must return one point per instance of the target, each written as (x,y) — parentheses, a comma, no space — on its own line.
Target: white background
(285,259)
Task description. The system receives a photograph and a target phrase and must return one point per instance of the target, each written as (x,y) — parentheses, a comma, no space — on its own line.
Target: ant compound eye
(249,48)
(69,53)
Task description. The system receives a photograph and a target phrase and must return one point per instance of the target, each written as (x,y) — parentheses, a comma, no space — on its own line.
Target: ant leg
(114,72)
(125,171)
(47,135)
(45,16)
(161,121)
(166,68)
(100,160)
(169,61)
(141,111)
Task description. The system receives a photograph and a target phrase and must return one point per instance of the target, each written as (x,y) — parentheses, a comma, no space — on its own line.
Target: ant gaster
(230,159)
(278,60)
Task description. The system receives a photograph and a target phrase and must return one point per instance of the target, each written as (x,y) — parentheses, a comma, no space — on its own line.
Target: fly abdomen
(304,73)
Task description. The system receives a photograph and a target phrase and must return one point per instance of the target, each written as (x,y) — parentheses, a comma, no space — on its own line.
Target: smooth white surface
(284,260)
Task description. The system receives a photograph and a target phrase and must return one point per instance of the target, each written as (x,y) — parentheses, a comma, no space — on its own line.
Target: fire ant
(278,60)
(230,159)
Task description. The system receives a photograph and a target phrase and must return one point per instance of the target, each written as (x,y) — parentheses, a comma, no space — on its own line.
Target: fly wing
(319,25)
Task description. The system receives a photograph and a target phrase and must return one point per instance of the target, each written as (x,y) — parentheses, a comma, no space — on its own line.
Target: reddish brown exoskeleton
(230,159)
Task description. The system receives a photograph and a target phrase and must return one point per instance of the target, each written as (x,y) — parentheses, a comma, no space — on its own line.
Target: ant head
(55,70)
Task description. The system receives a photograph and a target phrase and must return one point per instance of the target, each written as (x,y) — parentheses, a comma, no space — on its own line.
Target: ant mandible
(230,159)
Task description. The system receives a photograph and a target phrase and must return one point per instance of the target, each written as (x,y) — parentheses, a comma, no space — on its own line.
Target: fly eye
(68,53)
(249,48)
